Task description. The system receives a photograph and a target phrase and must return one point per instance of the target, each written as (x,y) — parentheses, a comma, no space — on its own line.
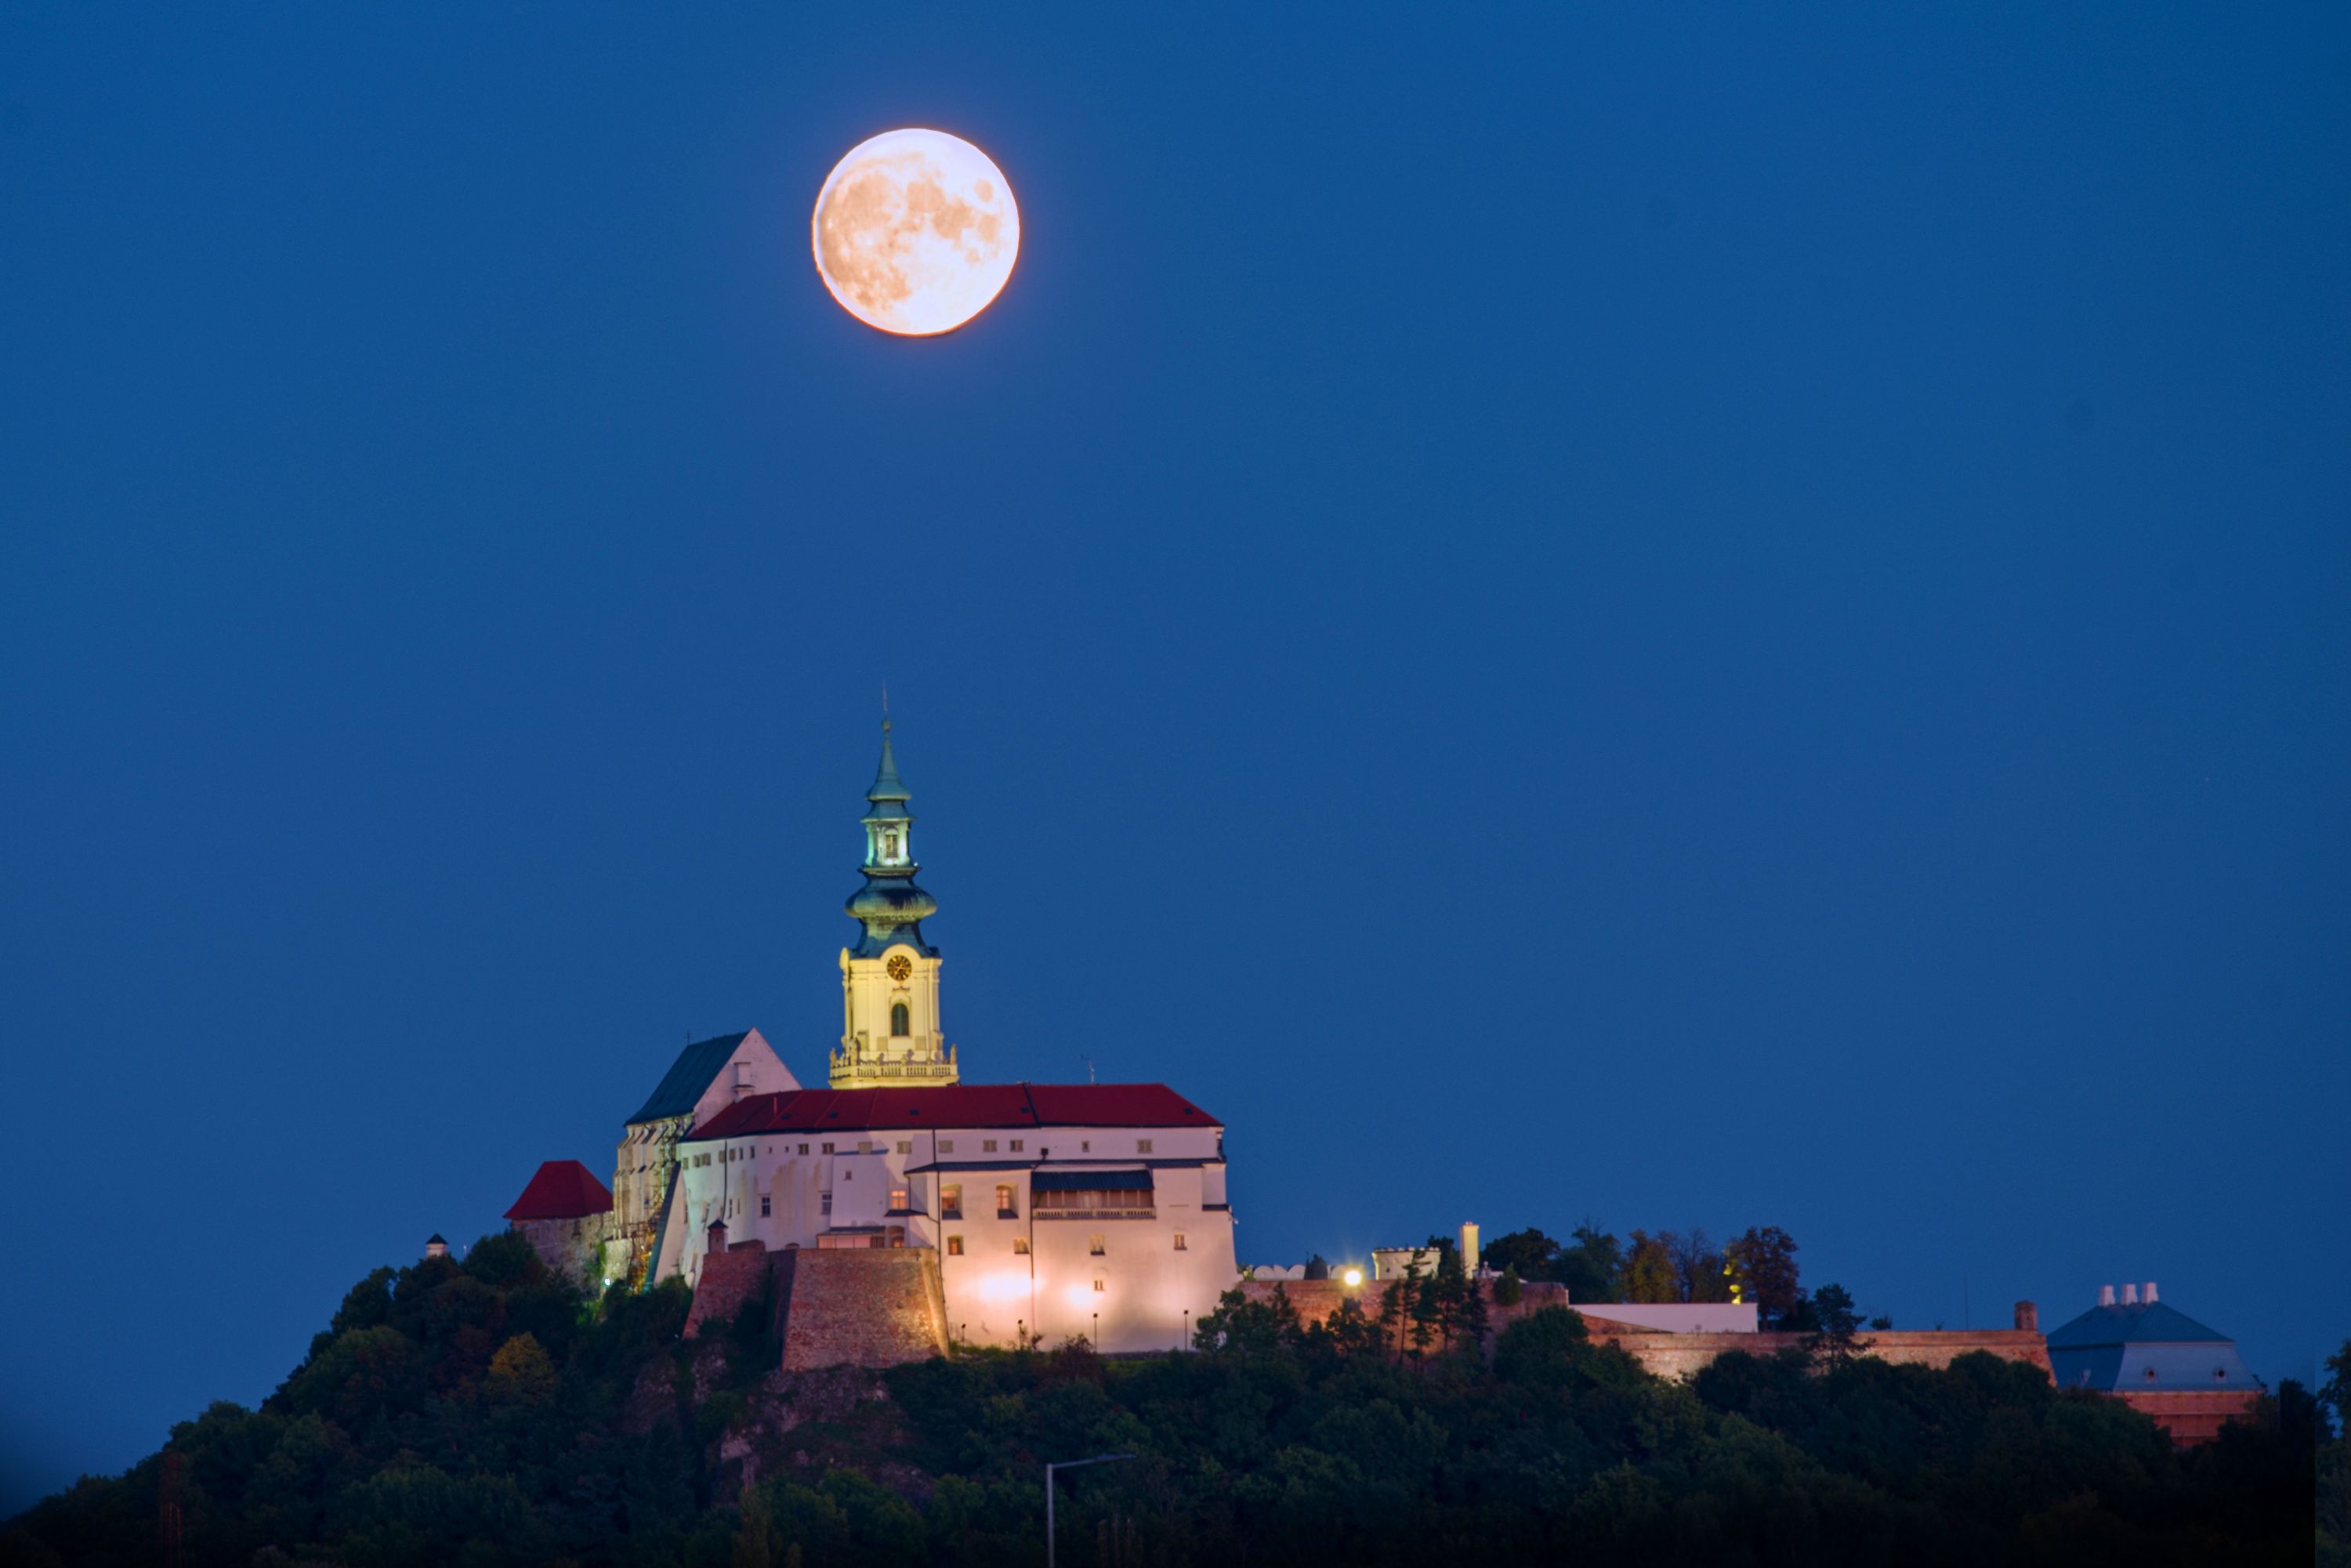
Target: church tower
(889,977)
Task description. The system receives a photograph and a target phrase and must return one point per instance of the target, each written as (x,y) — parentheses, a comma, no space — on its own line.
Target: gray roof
(2145,1345)
(695,1067)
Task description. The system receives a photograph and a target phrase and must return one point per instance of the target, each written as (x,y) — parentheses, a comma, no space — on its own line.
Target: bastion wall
(833,1307)
(1668,1355)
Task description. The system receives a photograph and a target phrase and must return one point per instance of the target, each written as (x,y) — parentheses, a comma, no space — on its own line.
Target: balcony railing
(1055,1211)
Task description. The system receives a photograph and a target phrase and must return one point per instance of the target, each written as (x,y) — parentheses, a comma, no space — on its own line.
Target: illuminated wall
(1007,1269)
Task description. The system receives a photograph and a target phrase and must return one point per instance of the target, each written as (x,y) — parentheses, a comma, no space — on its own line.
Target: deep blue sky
(1722,620)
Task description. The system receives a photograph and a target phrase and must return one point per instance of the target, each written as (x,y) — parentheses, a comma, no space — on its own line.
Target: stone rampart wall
(1683,1354)
(859,1307)
(729,1280)
(834,1307)
(1668,1355)
(2191,1416)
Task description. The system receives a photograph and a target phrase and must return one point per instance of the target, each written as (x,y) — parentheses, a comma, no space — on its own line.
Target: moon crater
(916,232)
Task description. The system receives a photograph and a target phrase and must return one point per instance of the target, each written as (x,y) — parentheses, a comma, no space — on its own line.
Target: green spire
(890,906)
(887,789)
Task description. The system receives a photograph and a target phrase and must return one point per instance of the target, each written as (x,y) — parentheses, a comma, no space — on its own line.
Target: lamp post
(1066,1465)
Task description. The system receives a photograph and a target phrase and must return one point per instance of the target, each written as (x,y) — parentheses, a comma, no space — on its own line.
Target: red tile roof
(957,1105)
(563,1189)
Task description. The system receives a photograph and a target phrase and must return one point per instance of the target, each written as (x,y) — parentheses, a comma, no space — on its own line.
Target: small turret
(435,1247)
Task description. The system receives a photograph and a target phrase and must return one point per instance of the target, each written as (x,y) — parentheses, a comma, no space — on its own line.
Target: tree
(520,1373)
(1649,1274)
(755,1537)
(1763,1264)
(1529,1251)
(1507,1290)
(1836,1343)
(1545,1348)
(1593,1269)
(1242,1327)
(1697,1267)
(1396,1302)
(2337,1389)
(1472,1316)
(1426,1307)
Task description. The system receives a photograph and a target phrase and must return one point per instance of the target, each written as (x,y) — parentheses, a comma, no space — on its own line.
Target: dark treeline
(485,1414)
(1759,1265)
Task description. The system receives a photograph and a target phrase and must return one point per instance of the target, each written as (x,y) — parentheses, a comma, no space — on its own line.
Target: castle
(899,1211)
(1018,1211)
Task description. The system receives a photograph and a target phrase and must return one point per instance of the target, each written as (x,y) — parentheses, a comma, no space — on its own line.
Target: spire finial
(885,704)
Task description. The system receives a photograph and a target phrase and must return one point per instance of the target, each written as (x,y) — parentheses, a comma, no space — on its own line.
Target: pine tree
(1507,1290)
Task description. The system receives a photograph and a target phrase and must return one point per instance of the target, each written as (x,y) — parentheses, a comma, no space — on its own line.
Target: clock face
(899,967)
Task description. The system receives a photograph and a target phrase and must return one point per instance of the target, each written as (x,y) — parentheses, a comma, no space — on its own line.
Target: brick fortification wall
(2191,1416)
(729,1280)
(849,1307)
(1671,1355)
(861,1306)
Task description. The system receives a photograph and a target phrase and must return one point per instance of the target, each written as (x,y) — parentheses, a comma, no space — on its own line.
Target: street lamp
(1068,1465)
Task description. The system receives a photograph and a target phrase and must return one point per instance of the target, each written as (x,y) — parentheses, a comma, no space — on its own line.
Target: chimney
(717,1236)
(2106,1295)
(1470,1248)
(2130,1295)
(2147,1293)
(2028,1318)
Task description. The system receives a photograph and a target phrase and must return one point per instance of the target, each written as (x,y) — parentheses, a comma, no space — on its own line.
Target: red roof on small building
(563,1189)
(956,1106)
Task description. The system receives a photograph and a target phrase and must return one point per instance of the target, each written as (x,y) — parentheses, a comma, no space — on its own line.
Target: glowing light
(916,232)
(1080,1296)
(1351,1277)
(1003,1287)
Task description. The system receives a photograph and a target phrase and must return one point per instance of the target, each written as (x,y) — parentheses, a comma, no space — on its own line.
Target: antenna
(1090,1068)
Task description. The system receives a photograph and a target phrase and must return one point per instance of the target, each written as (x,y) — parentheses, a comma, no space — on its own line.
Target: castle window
(954,1246)
(1017,1145)
(898,1028)
(1094,1244)
(804,1148)
(828,1148)
(1085,1147)
(824,1203)
(905,1147)
(898,1197)
(1020,1246)
(987,1145)
(1143,1145)
(1004,1208)
(766,1210)
(1098,1284)
(951,1201)
(1179,1241)
(947,1145)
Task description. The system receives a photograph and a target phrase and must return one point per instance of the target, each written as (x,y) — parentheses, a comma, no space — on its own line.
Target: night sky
(1573,614)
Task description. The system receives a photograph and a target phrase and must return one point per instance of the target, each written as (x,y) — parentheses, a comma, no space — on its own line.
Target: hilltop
(484,1412)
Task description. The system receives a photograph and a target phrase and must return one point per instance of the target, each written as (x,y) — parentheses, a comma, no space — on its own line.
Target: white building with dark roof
(2156,1358)
(708,1076)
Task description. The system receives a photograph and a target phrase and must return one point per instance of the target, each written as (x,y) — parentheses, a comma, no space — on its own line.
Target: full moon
(916,232)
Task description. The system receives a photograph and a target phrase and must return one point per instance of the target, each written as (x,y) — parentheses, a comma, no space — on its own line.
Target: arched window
(898,1020)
